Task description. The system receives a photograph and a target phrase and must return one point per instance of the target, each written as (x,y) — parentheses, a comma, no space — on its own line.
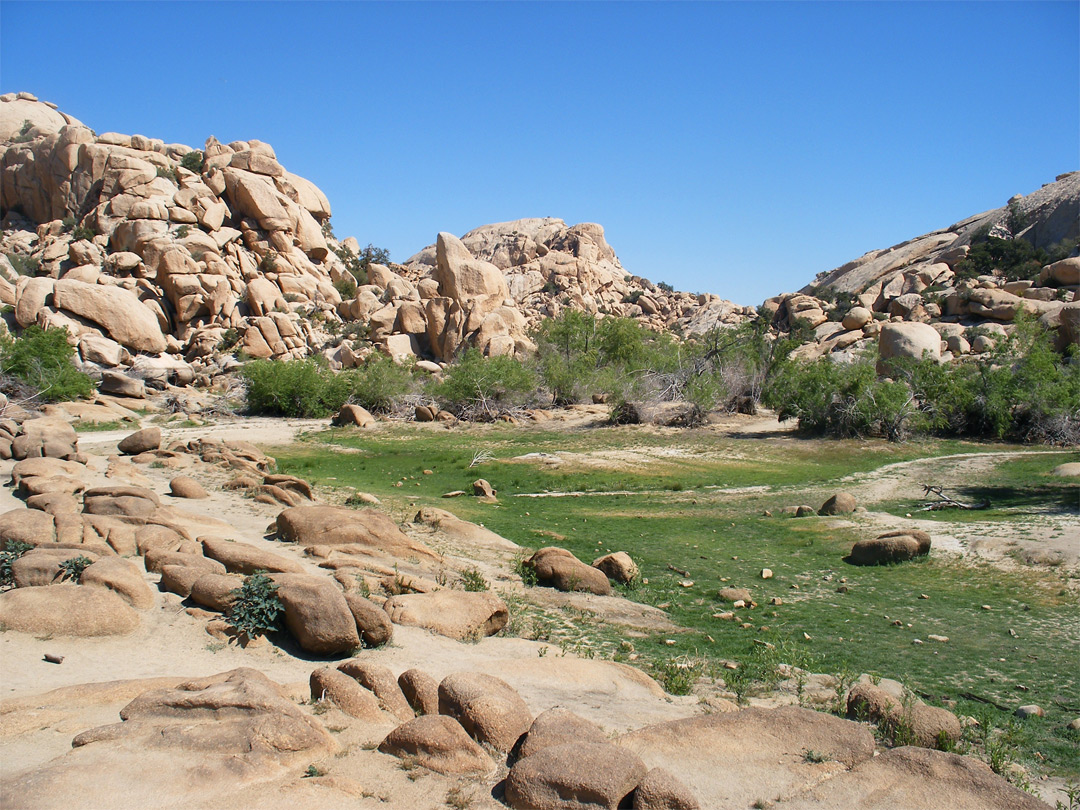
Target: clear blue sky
(734,148)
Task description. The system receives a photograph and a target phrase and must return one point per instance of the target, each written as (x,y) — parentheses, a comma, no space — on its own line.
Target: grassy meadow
(696,501)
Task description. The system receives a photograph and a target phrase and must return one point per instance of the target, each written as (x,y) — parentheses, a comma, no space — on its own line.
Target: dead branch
(945,502)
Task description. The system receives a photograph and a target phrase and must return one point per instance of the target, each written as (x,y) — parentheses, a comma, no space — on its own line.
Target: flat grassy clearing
(695,500)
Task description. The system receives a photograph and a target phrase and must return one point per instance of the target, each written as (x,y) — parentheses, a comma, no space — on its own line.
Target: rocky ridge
(160,260)
(914,282)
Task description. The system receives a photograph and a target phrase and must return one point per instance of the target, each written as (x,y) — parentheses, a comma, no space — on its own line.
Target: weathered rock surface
(488,708)
(560,569)
(439,743)
(339,525)
(67,610)
(568,777)
(455,614)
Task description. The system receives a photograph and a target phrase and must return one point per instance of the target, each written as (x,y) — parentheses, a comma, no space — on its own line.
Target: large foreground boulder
(439,743)
(339,525)
(67,610)
(911,778)
(317,614)
(578,775)
(455,614)
(488,708)
(728,759)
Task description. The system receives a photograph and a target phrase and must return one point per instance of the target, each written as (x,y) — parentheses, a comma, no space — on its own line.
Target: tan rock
(438,743)
(618,567)
(345,693)
(372,622)
(488,708)
(597,775)
(559,726)
(455,614)
(420,690)
(380,680)
(140,441)
(316,613)
(338,525)
(560,569)
(122,576)
(116,310)
(67,610)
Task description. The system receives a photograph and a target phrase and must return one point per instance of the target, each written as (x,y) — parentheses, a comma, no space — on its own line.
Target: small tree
(478,387)
(42,359)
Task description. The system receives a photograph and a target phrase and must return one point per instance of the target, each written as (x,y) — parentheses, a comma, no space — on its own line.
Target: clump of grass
(473,580)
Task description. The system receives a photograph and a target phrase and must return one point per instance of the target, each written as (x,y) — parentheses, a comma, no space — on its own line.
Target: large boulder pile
(547,266)
(175,257)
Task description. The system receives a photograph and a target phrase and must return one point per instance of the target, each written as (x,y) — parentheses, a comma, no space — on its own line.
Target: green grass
(99,427)
(678,513)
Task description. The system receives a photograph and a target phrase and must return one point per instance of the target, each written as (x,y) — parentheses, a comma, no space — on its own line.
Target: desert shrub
(257,608)
(1024,391)
(346,287)
(23,135)
(665,287)
(478,387)
(82,232)
(73,568)
(844,400)
(182,231)
(380,384)
(42,359)
(12,551)
(299,388)
(473,580)
(358,264)
(168,172)
(193,161)
(229,338)
(24,265)
(1013,259)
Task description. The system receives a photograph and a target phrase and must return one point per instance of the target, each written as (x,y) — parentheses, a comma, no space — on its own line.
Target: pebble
(939,639)
(1030,710)
(923,596)
(986,607)
(766,573)
(916,641)
(776,600)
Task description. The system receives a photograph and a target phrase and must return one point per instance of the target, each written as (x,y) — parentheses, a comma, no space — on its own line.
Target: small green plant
(526,572)
(229,338)
(12,551)
(457,798)
(193,161)
(257,607)
(346,287)
(677,675)
(473,580)
(82,232)
(663,286)
(183,231)
(312,771)
(1072,796)
(23,135)
(73,569)
(24,265)
(810,755)
(168,172)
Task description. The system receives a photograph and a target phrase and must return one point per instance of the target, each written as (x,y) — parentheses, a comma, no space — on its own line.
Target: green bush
(73,568)
(346,287)
(1025,391)
(82,232)
(169,173)
(298,388)
(380,384)
(256,609)
(24,265)
(478,387)
(13,549)
(42,359)
(358,265)
(193,161)
(1013,259)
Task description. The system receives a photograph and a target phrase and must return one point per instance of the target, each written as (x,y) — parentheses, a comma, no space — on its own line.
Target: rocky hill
(932,279)
(161,259)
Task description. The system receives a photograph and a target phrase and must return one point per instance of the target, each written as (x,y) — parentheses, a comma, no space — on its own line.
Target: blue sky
(733,148)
